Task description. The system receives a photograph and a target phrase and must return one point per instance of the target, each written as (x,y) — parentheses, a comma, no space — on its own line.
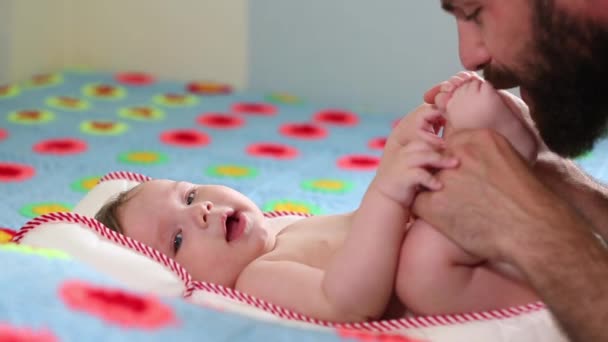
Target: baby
(351,267)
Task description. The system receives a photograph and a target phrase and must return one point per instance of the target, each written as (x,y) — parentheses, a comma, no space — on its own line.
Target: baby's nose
(206,207)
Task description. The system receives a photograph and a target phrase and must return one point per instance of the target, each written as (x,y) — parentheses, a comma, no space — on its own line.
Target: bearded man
(549,220)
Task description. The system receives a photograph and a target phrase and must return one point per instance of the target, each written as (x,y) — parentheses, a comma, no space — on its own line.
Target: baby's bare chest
(312,241)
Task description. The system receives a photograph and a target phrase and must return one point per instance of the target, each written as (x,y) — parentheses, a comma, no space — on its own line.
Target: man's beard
(564,70)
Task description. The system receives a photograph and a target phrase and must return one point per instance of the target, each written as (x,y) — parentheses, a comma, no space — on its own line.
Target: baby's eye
(177,242)
(190,197)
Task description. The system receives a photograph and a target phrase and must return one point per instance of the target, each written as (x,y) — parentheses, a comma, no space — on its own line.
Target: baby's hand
(411,168)
(421,124)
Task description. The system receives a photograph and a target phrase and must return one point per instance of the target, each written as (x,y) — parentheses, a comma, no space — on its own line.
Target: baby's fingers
(429,159)
(432,121)
(425,179)
(431,139)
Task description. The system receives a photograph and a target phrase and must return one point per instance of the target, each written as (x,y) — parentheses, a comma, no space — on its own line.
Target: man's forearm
(568,267)
(581,191)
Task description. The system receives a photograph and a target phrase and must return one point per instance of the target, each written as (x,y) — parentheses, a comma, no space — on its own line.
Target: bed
(62,132)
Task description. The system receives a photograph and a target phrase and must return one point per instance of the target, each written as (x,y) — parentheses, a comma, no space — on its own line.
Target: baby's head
(213,231)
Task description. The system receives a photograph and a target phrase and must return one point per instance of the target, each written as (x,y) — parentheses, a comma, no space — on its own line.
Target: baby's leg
(436,276)
(470,102)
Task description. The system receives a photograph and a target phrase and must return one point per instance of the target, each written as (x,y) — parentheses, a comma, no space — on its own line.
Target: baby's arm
(294,286)
(359,280)
(367,262)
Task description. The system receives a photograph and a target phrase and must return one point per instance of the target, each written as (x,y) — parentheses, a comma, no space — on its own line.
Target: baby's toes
(461,78)
(442,99)
(473,86)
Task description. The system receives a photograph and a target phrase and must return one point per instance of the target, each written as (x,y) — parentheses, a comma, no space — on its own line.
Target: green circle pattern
(9,91)
(231,171)
(91,90)
(143,158)
(117,128)
(44,81)
(36,209)
(284,98)
(62,102)
(43,252)
(31,117)
(141,113)
(291,205)
(85,184)
(185,100)
(329,186)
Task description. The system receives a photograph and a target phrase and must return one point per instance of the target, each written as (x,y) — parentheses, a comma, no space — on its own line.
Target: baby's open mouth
(235,224)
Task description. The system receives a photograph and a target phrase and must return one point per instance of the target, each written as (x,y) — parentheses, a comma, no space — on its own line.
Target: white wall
(375,55)
(31,37)
(179,39)
(4,40)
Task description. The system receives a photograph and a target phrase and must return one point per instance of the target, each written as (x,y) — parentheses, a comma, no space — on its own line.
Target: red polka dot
(117,306)
(336,117)
(220,121)
(13,334)
(272,150)
(61,146)
(303,131)
(185,138)
(135,78)
(13,172)
(3,134)
(254,108)
(377,143)
(359,162)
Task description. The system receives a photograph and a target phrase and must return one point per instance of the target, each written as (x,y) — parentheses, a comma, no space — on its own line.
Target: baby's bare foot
(447,88)
(477,104)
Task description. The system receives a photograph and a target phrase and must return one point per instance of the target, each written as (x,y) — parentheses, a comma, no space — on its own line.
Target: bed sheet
(61,132)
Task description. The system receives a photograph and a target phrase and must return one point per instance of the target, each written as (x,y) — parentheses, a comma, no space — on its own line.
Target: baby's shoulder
(279,223)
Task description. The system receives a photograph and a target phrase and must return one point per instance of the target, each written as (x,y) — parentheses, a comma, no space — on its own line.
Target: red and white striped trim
(191,286)
(272,214)
(377,326)
(98,227)
(125,175)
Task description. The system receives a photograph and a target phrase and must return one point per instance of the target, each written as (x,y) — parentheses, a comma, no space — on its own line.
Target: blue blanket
(60,132)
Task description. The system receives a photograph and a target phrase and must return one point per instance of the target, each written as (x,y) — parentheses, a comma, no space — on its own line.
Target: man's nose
(473,52)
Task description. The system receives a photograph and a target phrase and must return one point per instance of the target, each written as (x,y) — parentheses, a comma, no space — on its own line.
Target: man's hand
(494,207)
(491,205)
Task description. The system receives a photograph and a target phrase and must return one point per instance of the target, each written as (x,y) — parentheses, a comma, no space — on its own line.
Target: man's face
(553,51)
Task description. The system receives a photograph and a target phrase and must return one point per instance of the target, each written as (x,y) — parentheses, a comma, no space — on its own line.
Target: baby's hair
(108,214)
